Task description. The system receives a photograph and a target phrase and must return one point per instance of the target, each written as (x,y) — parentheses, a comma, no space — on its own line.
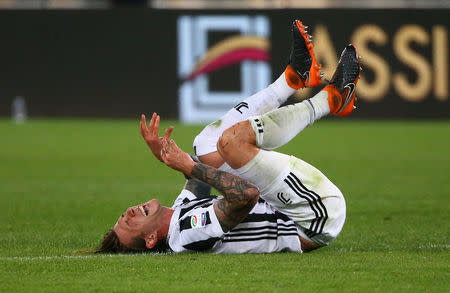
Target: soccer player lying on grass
(271,201)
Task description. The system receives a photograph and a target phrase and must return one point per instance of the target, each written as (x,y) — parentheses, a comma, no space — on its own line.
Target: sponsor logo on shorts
(241,105)
(284,200)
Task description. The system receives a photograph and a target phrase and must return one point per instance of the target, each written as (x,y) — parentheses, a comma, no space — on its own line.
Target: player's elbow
(252,195)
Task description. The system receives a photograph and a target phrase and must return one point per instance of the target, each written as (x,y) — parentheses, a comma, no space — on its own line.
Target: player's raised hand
(176,158)
(151,134)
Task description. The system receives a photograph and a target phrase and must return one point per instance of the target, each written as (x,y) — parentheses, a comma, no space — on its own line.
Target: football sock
(262,102)
(282,88)
(279,126)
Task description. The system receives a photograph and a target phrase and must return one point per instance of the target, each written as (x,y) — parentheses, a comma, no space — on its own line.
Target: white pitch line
(431,245)
(31,258)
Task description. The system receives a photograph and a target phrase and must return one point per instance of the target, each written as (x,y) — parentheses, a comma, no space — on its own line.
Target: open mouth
(143,210)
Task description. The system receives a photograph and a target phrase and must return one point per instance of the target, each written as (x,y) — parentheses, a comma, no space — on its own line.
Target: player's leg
(291,185)
(302,71)
(279,126)
(205,144)
(241,142)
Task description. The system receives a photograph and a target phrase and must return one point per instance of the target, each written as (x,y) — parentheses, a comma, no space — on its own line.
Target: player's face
(137,222)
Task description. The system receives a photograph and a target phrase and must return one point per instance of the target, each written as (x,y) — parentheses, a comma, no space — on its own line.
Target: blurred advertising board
(195,65)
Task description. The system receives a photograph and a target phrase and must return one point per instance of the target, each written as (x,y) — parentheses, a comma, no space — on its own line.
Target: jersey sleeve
(196,230)
(184,197)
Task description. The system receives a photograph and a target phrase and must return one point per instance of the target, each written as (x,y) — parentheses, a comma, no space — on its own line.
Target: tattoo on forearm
(197,187)
(232,187)
(239,194)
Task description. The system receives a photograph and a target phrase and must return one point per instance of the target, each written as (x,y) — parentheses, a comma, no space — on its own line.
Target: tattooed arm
(239,195)
(198,188)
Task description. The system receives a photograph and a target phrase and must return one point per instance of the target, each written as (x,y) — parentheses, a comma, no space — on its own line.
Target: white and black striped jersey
(194,227)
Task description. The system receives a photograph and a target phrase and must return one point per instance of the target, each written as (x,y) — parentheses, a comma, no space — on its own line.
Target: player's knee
(237,146)
(233,137)
(227,142)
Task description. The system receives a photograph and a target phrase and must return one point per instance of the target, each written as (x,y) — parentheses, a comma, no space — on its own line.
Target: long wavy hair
(111,244)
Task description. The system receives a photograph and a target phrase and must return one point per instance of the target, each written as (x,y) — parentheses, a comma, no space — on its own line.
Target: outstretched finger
(168,132)
(151,125)
(156,127)
(143,125)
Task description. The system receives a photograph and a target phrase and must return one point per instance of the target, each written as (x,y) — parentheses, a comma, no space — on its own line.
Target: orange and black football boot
(341,89)
(303,69)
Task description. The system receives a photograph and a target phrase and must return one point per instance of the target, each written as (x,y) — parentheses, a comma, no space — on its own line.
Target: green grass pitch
(63,183)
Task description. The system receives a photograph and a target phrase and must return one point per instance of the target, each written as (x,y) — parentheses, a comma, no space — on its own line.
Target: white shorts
(205,144)
(299,191)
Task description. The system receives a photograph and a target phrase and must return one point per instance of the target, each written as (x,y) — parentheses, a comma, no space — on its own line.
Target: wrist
(190,167)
